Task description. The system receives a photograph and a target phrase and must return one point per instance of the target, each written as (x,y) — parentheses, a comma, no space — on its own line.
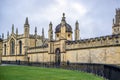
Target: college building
(37,48)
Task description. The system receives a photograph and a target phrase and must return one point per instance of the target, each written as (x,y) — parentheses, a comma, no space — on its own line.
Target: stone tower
(63,30)
(50,37)
(43,36)
(26,28)
(50,32)
(77,36)
(35,36)
(26,35)
(116,22)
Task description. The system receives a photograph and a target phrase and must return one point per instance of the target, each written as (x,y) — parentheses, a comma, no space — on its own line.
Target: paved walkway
(8,65)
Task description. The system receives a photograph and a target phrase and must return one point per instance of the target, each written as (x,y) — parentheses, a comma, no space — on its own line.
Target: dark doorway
(57,57)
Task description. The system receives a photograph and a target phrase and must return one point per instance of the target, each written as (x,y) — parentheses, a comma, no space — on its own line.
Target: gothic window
(20,47)
(5,49)
(12,47)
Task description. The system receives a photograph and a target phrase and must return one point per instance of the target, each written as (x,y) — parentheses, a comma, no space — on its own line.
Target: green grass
(38,73)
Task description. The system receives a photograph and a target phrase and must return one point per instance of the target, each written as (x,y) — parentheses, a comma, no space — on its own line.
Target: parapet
(94,42)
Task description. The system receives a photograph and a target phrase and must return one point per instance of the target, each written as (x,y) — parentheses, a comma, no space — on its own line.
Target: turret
(63,30)
(43,37)
(50,32)
(116,22)
(77,36)
(35,36)
(26,28)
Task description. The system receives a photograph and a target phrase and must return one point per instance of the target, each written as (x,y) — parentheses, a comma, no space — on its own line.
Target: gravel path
(8,65)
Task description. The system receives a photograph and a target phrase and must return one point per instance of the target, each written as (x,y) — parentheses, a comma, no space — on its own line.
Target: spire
(43,35)
(43,32)
(26,28)
(12,28)
(35,36)
(50,32)
(26,21)
(50,26)
(35,30)
(16,31)
(63,21)
(77,31)
(77,25)
(8,34)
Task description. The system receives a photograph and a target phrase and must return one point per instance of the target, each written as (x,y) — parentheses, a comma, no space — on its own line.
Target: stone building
(1,49)
(36,48)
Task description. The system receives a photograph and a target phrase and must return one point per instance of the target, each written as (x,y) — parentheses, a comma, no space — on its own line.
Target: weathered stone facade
(102,50)
(16,45)
(1,49)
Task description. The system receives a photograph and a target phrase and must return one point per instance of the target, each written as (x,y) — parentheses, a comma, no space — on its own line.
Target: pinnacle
(26,21)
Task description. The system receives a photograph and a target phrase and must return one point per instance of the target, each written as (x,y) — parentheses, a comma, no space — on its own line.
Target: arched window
(4,49)
(20,47)
(12,47)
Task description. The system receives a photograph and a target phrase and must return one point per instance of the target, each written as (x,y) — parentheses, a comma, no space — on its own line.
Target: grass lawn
(38,73)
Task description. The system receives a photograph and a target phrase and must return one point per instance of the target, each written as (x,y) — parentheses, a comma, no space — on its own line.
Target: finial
(63,19)
(77,25)
(50,23)
(63,14)
(76,21)
(50,26)
(12,28)
(26,21)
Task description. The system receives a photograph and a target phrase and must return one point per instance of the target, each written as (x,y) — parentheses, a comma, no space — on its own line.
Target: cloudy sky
(94,16)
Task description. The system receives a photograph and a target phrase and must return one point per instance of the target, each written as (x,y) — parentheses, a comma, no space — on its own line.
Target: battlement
(94,42)
(43,48)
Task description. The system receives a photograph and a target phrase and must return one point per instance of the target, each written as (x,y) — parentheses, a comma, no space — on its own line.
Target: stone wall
(105,55)
(1,50)
(102,50)
(13,58)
